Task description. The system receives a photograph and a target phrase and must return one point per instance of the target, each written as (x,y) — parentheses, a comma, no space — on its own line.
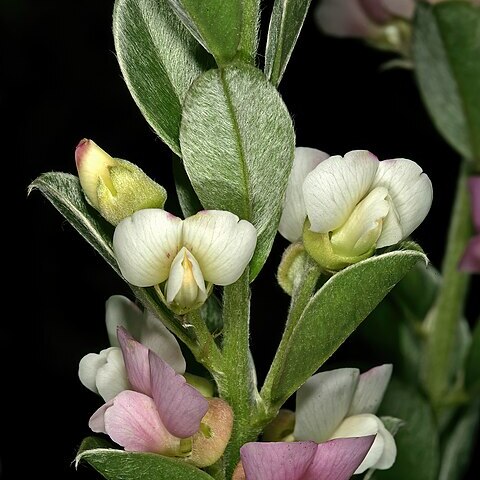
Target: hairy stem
(442,321)
(302,293)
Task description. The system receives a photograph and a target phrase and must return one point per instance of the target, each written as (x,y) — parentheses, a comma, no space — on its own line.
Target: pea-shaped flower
(183,258)
(349,206)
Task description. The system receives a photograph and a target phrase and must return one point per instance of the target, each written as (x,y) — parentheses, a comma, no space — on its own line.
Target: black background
(62,82)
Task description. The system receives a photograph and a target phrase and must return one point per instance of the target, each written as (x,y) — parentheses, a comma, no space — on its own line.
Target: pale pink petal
(471,258)
(135,356)
(370,390)
(97,420)
(344,18)
(180,406)
(133,422)
(474,185)
(277,460)
(338,459)
(400,8)
(376,11)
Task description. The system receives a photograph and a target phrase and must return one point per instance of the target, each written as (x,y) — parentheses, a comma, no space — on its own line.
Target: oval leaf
(159,60)
(216,24)
(237,143)
(120,465)
(446,49)
(334,312)
(418,438)
(66,195)
(285,26)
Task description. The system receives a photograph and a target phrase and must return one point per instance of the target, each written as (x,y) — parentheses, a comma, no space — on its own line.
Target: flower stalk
(442,321)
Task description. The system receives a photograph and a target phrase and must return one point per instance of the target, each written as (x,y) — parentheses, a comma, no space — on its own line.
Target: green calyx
(320,248)
(132,190)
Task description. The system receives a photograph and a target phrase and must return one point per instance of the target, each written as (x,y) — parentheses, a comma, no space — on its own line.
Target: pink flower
(333,460)
(360,18)
(471,258)
(159,411)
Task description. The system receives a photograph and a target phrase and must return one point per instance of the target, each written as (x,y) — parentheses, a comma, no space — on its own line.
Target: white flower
(358,201)
(342,404)
(105,373)
(184,257)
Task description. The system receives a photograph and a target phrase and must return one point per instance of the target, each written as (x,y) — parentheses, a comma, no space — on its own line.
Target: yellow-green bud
(319,247)
(115,187)
(291,266)
(209,443)
(280,429)
(204,386)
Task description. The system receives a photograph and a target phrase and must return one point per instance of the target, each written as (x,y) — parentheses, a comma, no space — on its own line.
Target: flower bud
(115,187)
(319,247)
(291,266)
(280,429)
(239,472)
(209,443)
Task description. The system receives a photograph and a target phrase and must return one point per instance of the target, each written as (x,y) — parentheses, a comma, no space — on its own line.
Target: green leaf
(334,312)
(417,439)
(446,49)
(238,142)
(159,60)
(211,313)
(459,444)
(392,424)
(120,465)
(472,366)
(285,26)
(65,193)
(216,24)
(187,198)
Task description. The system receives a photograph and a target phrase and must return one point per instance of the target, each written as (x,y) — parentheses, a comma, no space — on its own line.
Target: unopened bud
(280,429)
(291,266)
(115,187)
(209,443)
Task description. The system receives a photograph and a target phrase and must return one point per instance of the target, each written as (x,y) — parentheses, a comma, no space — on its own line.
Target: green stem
(302,293)
(236,384)
(443,319)
(249,39)
(206,350)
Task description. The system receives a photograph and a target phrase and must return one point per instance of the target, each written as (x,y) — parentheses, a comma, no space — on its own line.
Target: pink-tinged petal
(294,212)
(97,420)
(277,460)
(133,422)
(135,356)
(376,11)
(400,8)
(338,459)
(322,403)
(471,258)
(344,18)
(370,390)
(474,185)
(180,406)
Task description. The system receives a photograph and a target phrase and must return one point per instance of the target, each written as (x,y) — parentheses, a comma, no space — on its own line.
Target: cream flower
(183,258)
(353,204)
